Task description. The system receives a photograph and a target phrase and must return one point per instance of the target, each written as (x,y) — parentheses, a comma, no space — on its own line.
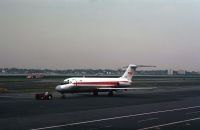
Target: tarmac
(163,108)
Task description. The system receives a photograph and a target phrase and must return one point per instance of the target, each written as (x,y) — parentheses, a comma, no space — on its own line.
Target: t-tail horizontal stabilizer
(130,71)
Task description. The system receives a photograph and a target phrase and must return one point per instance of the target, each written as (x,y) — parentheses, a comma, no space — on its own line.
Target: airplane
(95,85)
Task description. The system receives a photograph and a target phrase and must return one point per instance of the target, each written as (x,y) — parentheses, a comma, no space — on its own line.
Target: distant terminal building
(180,72)
(170,72)
(35,76)
(3,71)
(152,72)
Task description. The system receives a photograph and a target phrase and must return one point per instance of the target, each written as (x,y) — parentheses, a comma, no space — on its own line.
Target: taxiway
(177,108)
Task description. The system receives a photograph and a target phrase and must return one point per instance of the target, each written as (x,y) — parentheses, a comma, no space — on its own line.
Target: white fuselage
(76,85)
(95,85)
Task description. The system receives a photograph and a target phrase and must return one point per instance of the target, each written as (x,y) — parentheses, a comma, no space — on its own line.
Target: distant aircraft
(95,85)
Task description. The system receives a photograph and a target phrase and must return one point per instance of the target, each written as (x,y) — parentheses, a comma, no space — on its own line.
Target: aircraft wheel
(110,94)
(63,96)
(95,93)
(42,97)
(50,97)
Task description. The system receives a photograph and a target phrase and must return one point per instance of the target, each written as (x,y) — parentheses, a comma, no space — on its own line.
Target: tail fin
(130,71)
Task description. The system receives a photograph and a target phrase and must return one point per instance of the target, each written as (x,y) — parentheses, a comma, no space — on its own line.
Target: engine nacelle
(123,84)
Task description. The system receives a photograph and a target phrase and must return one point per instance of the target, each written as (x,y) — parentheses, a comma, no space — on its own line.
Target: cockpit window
(65,82)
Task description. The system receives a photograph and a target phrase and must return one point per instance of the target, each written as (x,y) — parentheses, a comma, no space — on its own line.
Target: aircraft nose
(58,88)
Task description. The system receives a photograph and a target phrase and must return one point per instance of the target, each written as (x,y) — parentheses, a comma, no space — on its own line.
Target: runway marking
(113,118)
(108,126)
(171,123)
(150,119)
(192,113)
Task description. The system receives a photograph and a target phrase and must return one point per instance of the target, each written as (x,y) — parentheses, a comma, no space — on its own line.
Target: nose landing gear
(63,96)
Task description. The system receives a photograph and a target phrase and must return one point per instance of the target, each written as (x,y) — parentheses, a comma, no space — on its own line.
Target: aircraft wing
(140,88)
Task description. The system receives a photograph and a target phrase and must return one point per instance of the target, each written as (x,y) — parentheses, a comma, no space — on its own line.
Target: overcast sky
(66,34)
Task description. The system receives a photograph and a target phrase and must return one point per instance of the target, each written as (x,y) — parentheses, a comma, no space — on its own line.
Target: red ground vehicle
(43,96)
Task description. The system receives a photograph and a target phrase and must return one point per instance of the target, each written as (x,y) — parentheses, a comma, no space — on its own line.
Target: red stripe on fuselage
(104,83)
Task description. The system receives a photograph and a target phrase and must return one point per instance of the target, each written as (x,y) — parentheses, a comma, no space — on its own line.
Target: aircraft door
(75,82)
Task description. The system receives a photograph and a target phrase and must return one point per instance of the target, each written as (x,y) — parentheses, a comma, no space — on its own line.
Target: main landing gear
(95,93)
(110,93)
